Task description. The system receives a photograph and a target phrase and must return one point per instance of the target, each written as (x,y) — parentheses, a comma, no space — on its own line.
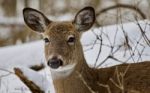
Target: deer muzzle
(55,62)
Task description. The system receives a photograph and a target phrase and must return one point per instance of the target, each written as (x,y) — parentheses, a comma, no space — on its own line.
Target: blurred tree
(9,7)
(46,6)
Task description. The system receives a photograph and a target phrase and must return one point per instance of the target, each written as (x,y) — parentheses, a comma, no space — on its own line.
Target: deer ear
(36,20)
(84,19)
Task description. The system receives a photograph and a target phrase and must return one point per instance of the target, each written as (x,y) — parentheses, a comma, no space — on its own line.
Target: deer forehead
(61,30)
(60,27)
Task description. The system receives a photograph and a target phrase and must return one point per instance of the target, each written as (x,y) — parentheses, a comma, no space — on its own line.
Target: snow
(29,54)
(15,56)
(26,55)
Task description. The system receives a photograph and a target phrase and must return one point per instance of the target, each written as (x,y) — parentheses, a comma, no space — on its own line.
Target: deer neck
(75,82)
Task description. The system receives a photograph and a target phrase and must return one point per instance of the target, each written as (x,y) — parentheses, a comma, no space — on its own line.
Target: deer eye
(71,40)
(46,40)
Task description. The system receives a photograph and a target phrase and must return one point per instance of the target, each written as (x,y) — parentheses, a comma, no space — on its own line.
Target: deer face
(62,39)
(61,42)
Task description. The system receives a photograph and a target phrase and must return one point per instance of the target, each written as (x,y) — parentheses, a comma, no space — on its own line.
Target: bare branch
(30,84)
(105,86)
(122,6)
(85,83)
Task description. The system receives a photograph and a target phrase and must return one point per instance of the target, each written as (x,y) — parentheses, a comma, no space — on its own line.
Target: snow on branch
(35,81)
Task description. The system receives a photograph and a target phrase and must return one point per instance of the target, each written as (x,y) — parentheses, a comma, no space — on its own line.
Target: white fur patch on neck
(62,71)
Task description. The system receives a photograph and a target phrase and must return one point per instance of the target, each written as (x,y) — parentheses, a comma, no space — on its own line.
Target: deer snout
(55,62)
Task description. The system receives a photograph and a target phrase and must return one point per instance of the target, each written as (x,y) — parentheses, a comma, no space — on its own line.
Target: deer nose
(55,62)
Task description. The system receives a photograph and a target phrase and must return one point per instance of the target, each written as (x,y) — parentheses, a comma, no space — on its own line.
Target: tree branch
(30,84)
(134,8)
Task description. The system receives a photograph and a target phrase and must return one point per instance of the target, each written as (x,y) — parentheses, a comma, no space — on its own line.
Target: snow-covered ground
(29,54)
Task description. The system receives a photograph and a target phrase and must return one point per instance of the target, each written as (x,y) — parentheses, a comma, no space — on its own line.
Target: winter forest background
(13,31)
(120,34)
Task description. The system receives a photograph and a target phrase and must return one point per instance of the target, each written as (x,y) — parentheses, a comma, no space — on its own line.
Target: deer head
(62,39)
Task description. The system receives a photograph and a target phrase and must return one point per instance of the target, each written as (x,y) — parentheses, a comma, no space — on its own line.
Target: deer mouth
(62,71)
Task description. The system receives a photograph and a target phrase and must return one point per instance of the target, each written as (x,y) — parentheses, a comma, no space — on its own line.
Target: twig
(85,83)
(2,69)
(105,86)
(143,33)
(5,70)
(122,6)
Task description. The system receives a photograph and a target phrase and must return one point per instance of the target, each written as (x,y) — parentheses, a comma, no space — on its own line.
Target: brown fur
(71,84)
(58,34)
(125,78)
(136,79)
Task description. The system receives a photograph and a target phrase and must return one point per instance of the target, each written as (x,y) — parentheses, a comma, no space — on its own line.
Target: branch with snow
(35,81)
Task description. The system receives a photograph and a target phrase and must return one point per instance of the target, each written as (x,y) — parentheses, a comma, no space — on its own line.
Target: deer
(65,58)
